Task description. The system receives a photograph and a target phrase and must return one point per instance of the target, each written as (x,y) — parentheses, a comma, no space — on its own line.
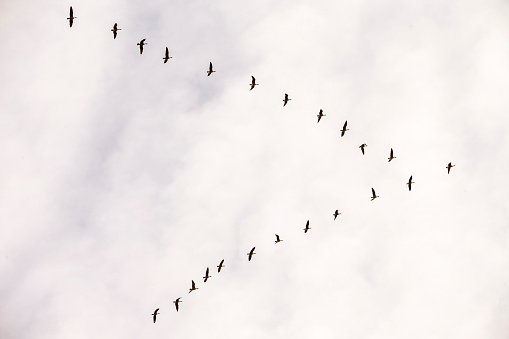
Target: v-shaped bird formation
(286,99)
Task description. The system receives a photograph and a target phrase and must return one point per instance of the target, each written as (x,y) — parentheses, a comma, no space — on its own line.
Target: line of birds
(252,85)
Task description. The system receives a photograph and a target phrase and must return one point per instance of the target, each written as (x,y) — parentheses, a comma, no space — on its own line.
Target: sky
(123,178)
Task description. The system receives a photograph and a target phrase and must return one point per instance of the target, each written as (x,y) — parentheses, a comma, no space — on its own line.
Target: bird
(167,56)
(320,115)
(155,315)
(207,276)
(210,71)
(286,99)
(250,254)
(114,30)
(374,194)
(409,183)
(449,166)
(336,214)
(277,239)
(220,266)
(307,227)
(391,156)
(71,17)
(253,82)
(176,302)
(362,148)
(193,286)
(344,129)
(141,44)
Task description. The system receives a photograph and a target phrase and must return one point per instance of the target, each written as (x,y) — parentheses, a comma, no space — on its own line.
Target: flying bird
(344,129)
(207,276)
(320,115)
(167,56)
(193,286)
(307,227)
(336,214)
(286,99)
(391,156)
(277,239)
(141,44)
(449,166)
(210,71)
(362,148)
(155,315)
(114,30)
(176,302)
(251,253)
(409,183)
(220,266)
(253,82)
(374,194)
(71,17)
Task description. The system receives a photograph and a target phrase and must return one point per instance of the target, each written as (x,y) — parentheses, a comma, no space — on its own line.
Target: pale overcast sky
(123,178)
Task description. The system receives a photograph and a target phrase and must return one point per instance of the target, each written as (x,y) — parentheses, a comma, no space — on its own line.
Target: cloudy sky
(123,178)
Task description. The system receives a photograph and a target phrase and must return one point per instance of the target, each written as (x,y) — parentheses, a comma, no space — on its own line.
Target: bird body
(154,315)
(320,115)
(449,166)
(250,254)
(286,99)
(336,214)
(141,44)
(220,266)
(71,17)
(167,56)
(207,276)
(277,239)
(307,227)
(391,156)
(374,196)
(344,129)
(114,30)
(253,82)
(409,183)
(362,148)
(193,286)
(210,71)
(176,302)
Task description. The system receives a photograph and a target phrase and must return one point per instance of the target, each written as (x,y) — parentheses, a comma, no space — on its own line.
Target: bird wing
(167,53)
(319,117)
(142,41)
(253,79)
(344,126)
(373,191)
(307,224)
(277,237)
(391,153)
(210,66)
(362,149)
(71,13)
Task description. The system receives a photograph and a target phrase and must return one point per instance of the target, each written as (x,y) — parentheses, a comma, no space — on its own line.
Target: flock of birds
(253,84)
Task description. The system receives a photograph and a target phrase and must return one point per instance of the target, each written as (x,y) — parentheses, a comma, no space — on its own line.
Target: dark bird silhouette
(155,315)
(71,17)
(114,30)
(286,99)
(409,183)
(277,239)
(320,115)
(362,148)
(210,71)
(167,56)
(391,156)
(176,302)
(207,276)
(250,254)
(449,166)
(374,196)
(343,131)
(193,286)
(253,82)
(141,44)
(220,266)
(336,214)
(307,227)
